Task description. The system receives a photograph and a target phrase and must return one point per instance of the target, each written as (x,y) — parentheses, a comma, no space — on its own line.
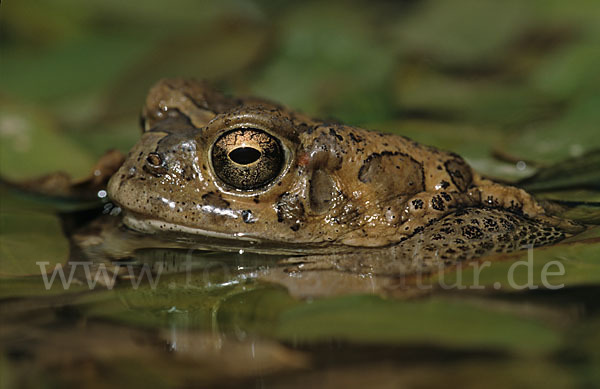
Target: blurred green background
(513,86)
(514,78)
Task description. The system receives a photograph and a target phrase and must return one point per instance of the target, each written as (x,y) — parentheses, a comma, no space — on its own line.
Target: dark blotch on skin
(472,232)
(460,173)
(447,230)
(290,210)
(338,136)
(379,170)
(437,203)
(417,204)
(247,216)
(211,198)
(490,224)
(355,138)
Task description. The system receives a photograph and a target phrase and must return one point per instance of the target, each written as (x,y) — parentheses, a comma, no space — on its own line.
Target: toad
(235,174)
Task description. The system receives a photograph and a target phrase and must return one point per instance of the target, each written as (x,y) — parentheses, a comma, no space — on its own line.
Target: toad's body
(248,174)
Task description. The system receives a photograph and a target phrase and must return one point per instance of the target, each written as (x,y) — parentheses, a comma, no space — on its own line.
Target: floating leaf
(31,146)
(580,172)
(571,134)
(588,214)
(88,191)
(435,320)
(28,238)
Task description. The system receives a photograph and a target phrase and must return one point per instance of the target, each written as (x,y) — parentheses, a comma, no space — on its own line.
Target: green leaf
(580,172)
(588,214)
(460,31)
(483,101)
(16,286)
(79,66)
(338,68)
(28,237)
(571,134)
(436,320)
(31,146)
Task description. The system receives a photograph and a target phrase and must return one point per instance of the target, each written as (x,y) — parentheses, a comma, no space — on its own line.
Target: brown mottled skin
(378,201)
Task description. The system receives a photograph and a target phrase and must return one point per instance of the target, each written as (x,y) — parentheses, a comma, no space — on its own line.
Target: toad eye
(247,158)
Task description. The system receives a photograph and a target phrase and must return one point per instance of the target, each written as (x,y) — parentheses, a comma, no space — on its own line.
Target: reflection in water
(208,318)
(72,339)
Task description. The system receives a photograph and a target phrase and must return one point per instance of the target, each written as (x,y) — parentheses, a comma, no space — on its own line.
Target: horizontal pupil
(244,155)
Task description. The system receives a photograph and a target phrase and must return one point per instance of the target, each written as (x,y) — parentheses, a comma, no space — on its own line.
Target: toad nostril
(154,159)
